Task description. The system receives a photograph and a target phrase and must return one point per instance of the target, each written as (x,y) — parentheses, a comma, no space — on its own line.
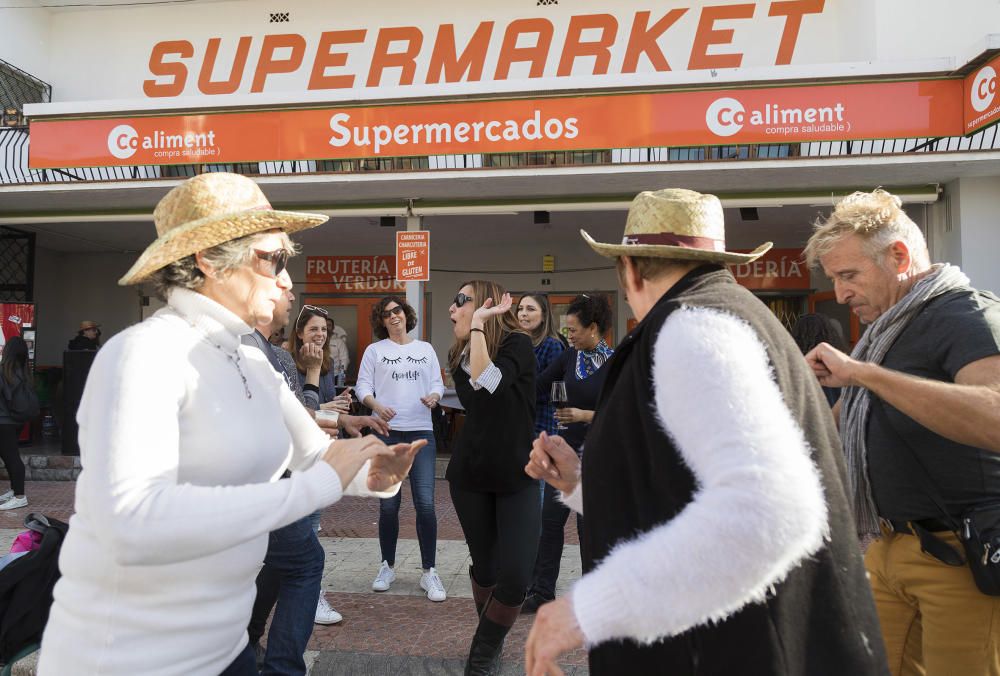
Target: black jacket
(493,445)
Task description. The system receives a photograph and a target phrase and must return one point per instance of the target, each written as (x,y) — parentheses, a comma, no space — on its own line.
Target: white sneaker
(6,496)
(431,583)
(14,503)
(386,576)
(324,613)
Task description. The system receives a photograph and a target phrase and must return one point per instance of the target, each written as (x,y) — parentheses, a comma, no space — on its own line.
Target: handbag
(977,528)
(21,400)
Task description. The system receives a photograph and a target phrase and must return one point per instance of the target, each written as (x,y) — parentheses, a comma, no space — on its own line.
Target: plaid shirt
(545,413)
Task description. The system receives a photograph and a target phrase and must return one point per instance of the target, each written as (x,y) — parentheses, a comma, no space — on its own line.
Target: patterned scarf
(588,361)
(855,404)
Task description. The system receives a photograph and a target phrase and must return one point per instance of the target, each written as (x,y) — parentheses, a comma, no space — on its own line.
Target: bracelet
(480,331)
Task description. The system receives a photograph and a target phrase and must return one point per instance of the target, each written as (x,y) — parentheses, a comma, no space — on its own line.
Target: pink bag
(27,541)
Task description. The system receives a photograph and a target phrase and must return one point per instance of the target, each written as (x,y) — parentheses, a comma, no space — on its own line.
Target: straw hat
(87,324)
(206,211)
(675,223)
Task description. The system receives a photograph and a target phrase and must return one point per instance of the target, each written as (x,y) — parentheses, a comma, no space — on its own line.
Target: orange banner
(777,270)
(691,118)
(413,256)
(982,106)
(352,274)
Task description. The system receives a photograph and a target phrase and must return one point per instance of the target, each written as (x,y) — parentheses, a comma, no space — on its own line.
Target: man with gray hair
(920,422)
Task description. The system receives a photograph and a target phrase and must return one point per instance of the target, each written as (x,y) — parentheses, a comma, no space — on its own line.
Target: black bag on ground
(20,400)
(26,588)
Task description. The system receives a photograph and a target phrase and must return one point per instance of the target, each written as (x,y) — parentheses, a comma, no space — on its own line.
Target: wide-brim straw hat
(675,223)
(206,211)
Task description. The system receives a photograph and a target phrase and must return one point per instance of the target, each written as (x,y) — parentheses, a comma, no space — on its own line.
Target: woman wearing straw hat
(183,434)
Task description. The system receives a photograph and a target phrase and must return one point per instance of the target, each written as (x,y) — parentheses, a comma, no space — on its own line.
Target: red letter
(205,84)
(406,60)
(444,59)
(266,64)
(181,48)
(793,10)
(642,40)
(708,36)
(511,53)
(326,59)
(601,49)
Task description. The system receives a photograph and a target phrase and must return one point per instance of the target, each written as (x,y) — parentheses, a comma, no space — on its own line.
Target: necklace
(233,357)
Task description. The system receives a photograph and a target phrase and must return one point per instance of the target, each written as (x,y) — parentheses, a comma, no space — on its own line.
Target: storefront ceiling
(115,216)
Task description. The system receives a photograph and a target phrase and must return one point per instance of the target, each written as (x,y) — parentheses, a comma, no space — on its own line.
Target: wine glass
(558,397)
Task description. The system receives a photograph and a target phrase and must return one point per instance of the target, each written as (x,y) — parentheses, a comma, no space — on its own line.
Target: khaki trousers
(935,621)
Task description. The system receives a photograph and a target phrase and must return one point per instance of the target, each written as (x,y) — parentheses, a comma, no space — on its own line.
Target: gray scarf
(855,404)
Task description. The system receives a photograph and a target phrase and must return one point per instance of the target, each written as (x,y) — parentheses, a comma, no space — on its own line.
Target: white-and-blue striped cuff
(490,379)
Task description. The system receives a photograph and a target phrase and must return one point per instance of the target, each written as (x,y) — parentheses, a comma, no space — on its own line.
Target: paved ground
(395,632)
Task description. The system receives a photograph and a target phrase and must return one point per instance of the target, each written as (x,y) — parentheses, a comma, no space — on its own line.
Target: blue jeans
(295,557)
(422,487)
(243,664)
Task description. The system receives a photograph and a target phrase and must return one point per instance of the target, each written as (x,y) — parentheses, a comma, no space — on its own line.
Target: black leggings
(502,533)
(11,457)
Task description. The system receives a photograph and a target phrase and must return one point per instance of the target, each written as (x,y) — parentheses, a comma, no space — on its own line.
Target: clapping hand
(311,355)
(389,469)
(431,400)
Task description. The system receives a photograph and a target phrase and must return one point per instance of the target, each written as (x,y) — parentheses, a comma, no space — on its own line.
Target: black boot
(487,645)
(480,594)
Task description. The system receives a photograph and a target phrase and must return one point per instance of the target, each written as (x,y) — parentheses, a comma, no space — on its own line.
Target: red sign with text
(791,114)
(413,256)
(352,274)
(777,270)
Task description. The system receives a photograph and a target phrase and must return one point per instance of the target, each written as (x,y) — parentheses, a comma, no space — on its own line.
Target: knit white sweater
(177,495)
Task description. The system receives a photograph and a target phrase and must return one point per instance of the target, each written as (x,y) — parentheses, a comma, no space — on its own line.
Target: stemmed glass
(558,397)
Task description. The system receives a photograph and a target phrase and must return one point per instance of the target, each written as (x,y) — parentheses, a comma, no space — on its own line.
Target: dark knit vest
(821,618)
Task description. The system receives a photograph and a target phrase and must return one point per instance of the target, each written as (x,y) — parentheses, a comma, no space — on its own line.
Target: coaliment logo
(984,89)
(728,116)
(124,141)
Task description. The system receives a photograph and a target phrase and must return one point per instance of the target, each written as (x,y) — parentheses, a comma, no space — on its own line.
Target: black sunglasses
(461,299)
(278,260)
(314,310)
(398,310)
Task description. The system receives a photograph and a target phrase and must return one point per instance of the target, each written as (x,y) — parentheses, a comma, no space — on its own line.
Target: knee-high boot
(487,645)
(480,594)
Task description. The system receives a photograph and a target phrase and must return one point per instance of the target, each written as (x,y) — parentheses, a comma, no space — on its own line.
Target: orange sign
(927,108)
(413,256)
(352,274)
(982,105)
(777,270)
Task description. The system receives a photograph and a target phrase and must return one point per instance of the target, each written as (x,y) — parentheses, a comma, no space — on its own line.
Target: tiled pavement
(398,631)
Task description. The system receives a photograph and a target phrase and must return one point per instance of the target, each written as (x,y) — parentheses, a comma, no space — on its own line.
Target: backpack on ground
(26,588)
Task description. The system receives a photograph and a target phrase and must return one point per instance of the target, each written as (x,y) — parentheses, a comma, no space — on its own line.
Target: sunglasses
(398,310)
(313,310)
(461,299)
(278,260)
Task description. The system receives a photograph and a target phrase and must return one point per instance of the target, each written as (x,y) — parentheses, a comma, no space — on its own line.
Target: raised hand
(488,309)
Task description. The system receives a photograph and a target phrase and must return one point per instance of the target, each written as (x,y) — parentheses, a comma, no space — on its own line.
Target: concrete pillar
(967,231)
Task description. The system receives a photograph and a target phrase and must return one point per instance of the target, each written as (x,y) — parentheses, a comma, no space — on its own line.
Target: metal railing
(14,158)
(17,88)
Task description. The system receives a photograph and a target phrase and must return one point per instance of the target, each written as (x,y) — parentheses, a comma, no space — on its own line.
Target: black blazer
(493,446)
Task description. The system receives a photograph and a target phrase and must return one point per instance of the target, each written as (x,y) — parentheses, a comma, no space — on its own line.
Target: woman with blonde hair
(184,433)
(493,366)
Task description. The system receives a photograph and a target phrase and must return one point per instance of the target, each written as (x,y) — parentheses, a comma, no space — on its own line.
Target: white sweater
(759,508)
(398,376)
(177,495)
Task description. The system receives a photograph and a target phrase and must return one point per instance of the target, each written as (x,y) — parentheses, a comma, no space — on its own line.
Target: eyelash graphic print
(422,360)
(386,360)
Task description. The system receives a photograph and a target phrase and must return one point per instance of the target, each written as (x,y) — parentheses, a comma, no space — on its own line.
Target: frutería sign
(683,118)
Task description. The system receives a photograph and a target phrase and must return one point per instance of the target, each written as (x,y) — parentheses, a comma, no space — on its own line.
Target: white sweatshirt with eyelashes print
(398,376)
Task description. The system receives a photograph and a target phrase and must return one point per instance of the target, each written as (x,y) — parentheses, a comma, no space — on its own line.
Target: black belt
(929,525)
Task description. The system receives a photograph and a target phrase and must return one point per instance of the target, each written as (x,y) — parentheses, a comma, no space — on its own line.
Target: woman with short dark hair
(13,373)
(582,369)
(399,378)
